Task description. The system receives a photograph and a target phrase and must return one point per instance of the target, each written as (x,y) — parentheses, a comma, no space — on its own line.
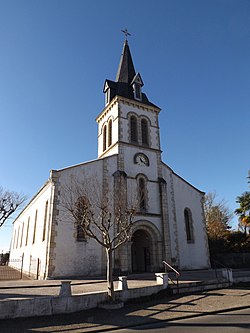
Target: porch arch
(146,247)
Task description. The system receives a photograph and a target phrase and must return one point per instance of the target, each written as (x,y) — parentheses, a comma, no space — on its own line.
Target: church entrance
(141,251)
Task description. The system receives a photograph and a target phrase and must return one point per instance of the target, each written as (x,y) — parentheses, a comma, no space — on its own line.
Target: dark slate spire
(126,77)
(126,70)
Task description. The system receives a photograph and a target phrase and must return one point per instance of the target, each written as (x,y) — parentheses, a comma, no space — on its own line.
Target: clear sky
(194,59)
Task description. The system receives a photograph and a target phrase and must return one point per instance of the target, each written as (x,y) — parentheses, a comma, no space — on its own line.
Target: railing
(14,269)
(217,264)
(177,274)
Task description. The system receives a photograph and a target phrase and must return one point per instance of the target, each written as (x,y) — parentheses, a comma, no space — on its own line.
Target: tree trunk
(111,293)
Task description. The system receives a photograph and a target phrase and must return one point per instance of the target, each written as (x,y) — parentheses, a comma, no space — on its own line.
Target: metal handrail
(177,274)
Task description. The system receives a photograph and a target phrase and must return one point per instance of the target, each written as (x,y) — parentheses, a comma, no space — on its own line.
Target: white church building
(169,223)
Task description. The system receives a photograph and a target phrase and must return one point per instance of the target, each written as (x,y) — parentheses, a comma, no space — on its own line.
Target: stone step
(198,286)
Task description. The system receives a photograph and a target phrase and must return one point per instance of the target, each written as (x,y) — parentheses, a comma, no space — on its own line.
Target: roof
(125,78)
(126,70)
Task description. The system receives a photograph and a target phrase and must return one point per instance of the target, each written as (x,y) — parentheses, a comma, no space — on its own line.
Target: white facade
(31,233)
(169,224)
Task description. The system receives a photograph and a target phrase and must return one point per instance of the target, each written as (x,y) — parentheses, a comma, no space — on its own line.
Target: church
(169,223)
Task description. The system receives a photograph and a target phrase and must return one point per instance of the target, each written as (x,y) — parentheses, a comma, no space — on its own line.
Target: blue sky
(193,57)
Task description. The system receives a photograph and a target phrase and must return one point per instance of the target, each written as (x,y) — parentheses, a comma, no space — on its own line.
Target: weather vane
(126,33)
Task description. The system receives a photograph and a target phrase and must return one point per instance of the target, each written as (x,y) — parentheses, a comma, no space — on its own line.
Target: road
(226,322)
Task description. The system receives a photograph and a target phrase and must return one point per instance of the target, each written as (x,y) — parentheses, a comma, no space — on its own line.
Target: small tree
(104,216)
(9,203)
(218,217)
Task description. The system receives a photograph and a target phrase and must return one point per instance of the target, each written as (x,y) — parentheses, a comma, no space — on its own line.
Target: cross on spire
(126,33)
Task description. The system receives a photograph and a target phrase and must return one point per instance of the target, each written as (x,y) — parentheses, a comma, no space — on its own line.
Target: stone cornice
(138,104)
(106,109)
(124,100)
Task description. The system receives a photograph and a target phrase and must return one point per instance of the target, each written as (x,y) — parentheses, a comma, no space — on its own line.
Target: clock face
(141,159)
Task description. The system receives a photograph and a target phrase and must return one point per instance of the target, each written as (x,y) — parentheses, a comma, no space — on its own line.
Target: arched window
(80,234)
(144,132)
(14,239)
(104,137)
(45,220)
(188,225)
(107,96)
(110,133)
(34,232)
(21,243)
(133,129)
(81,212)
(137,91)
(142,193)
(18,236)
(27,232)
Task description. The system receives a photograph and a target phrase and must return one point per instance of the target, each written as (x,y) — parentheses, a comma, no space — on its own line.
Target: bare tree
(9,202)
(102,214)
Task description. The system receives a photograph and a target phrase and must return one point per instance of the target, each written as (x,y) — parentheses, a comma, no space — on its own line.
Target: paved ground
(29,288)
(157,310)
(36,288)
(236,321)
(98,320)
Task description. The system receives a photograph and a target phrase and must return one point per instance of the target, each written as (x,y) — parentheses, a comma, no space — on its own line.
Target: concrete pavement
(36,288)
(159,309)
(33,297)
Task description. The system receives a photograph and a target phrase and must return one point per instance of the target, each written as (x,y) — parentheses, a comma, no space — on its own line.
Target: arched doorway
(141,251)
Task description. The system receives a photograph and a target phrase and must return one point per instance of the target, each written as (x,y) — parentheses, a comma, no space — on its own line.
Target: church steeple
(128,83)
(126,70)
(129,119)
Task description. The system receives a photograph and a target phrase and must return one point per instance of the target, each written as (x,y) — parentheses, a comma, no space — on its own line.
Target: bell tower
(128,128)
(129,119)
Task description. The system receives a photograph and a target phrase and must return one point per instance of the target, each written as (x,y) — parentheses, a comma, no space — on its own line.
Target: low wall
(50,305)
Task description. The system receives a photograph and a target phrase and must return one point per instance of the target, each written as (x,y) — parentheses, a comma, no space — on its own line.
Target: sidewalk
(24,298)
(38,288)
(161,309)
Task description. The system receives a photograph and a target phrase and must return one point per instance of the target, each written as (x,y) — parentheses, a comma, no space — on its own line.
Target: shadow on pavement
(133,314)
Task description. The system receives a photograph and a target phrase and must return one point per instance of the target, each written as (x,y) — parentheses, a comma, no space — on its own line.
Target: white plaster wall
(112,150)
(133,169)
(166,174)
(110,112)
(193,255)
(71,257)
(183,195)
(36,250)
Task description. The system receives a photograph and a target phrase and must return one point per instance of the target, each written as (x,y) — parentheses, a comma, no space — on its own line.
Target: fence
(234,260)
(13,269)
